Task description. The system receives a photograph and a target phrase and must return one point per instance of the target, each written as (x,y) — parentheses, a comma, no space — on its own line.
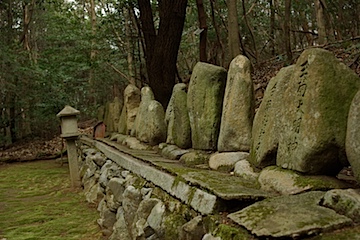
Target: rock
(267,122)
(179,132)
(226,161)
(288,182)
(107,219)
(112,114)
(244,170)
(154,130)
(98,159)
(117,188)
(194,158)
(353,136)
(289,216)
(120,229)
(134,143)
(193,230)
(150,124)
(318,99)
(111,203)
(95,194)
(140,226)
(155,218)
(208,236)
(147,95)
(173,152)
(345,202)
(132,98)
(238,109)
(146,193)
(108,171)
(130,203)
(204,101)
(122,128)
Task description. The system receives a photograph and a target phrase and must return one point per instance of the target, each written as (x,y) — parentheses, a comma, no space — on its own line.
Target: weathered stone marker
(69,131)
(204,101)
(318,99)
(238,107)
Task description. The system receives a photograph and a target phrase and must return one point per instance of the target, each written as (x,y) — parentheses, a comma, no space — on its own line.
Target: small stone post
(69,131)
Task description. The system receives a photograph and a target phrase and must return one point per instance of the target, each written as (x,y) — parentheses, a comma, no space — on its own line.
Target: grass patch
(37,202)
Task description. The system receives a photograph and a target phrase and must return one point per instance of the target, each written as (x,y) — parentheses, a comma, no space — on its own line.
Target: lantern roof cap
(68,111)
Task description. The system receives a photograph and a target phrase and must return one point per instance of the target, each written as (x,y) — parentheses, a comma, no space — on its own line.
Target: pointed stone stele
(150,124)
(238,108)
(132,98)
(289,216)
(353,136)
(317,102)
(204,100)
(177,118)
(267,125)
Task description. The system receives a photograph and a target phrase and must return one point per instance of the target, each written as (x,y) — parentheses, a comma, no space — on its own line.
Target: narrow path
(36,202)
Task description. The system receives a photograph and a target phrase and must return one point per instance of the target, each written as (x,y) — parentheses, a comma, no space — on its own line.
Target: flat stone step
(205,190)
(289,216)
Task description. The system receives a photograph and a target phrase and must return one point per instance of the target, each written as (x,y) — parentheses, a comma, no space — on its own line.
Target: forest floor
(37,202)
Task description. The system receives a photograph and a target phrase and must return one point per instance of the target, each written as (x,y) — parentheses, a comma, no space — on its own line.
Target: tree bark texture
(233,27)
(161,54)
(203,27)
(321,22)
(287,24)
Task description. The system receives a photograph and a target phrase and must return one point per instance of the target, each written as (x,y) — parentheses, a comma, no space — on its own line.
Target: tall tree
(203,30)
(162,48)
(321,21)
(233,28)
(287,24)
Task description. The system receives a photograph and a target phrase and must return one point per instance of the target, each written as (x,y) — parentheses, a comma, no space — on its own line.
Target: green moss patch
(36,202)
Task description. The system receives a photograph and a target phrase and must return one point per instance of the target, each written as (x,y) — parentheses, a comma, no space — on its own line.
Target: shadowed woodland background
(84,52)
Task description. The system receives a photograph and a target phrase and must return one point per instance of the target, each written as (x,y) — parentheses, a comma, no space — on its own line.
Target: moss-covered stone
(267,122)
(238,109)
(289,216)
(353,136)
(288,182)
(194,158)
(204,100)
(229,232)
(318,99)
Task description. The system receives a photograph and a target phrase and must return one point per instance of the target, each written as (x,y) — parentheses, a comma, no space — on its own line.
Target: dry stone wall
(275,174)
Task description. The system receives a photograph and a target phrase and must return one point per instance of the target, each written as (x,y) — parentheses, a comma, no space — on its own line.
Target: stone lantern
(69,131)
(69,124)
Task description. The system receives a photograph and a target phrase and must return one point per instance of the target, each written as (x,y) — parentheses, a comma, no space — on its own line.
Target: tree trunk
(129,49)
(161,57)
(218,38)
(92,51)
(233,27)
(250,31)
(203,27)
(272,27)
(321,22)
(287,24)
(148,30)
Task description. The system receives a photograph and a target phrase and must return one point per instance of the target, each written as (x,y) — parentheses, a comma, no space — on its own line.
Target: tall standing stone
(146,96)
(150,124)
(132,98)
(353,136)
(112,114)
(205,97)
(238,109)
(267,125)
(179,132)
(318,99)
